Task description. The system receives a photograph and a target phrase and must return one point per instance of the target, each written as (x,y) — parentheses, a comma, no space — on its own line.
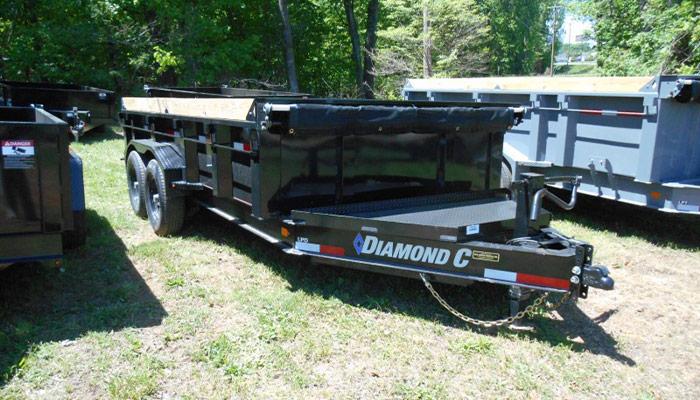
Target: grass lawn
(216,313)
(576,69)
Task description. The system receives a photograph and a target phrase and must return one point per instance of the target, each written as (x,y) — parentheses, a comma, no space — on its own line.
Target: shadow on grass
(407,296)
(662,229)
(96,290)
(575,331)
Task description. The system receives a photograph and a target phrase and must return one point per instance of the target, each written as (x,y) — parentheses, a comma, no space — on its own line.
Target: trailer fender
(76,236)
(168,155)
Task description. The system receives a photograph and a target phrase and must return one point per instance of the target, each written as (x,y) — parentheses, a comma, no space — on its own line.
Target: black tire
(506,176)
(136,181)
(166,211)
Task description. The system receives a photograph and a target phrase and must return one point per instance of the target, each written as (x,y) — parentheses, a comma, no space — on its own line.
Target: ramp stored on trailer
(404,188)
(215,92)
(632,139)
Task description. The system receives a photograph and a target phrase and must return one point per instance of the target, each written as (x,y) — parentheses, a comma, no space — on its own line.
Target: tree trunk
(289,47)
(370,46)
(427,44)
(356,49)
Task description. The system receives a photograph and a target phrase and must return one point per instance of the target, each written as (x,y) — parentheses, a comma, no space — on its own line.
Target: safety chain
(498,322)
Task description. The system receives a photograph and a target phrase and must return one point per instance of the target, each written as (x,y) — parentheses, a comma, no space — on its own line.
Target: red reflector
(171,132)
(592,112)
(542,281)
(246,146)
(337,251)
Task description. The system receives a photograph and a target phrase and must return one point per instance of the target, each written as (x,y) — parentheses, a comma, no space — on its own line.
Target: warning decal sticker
(17,154)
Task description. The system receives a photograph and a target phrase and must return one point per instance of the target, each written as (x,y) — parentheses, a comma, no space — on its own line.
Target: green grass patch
(138,381)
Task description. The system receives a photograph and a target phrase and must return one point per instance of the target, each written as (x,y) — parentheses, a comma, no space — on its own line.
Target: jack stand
(517,297)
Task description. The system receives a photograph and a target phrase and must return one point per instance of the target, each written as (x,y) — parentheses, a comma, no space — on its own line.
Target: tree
(364,73)
(355,40)
(370,47)
(427,53)
(636,37)
(520,37)
(289,47)
(458,42)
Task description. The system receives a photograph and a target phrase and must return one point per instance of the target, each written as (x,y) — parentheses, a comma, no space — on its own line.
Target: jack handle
(540,194)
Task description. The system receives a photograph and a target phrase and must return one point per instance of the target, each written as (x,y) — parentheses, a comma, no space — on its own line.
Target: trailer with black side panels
(42,204)
(635,140)
(403,188)
(84,108)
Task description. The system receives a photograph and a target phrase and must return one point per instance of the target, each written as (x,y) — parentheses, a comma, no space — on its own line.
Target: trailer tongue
(403,188)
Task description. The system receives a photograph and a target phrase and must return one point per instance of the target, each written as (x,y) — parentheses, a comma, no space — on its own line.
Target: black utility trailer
(83,107)
(404,188)
(42,205)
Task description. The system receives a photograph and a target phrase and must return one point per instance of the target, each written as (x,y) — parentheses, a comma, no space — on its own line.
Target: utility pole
(554,39)
(568,53)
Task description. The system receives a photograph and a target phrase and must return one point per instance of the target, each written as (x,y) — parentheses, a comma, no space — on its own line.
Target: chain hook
(489,323)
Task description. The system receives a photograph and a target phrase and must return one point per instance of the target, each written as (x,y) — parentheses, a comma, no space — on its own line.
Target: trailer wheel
(136,180)
(506,176)
(166,211)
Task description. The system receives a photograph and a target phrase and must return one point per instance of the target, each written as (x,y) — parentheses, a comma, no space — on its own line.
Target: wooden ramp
(231,109)
(537,84)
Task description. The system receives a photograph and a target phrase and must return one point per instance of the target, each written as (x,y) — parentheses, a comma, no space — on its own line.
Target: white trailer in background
(631,139)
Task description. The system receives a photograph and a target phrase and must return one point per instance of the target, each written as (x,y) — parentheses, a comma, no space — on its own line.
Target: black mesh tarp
(376,119)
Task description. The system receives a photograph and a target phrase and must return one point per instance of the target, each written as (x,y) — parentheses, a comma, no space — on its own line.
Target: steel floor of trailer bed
(455,214)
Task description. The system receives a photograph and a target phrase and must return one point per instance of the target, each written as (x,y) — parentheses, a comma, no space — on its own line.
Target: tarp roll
(310,119)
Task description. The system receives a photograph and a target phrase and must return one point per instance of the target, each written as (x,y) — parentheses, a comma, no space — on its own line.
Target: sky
(576,27)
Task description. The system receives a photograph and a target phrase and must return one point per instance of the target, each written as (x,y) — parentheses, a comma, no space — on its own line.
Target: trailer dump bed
(83,107)
(41,192)
(632,139)
(405,188)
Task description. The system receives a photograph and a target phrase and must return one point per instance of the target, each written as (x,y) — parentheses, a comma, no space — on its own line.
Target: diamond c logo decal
(358,243)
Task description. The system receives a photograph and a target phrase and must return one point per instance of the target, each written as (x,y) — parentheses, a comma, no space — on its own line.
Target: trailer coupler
(597,276)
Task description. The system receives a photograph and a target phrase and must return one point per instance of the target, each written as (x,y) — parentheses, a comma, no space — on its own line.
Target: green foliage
(520,40)
(458,33)
(124,44)
(646,37)
(323,50)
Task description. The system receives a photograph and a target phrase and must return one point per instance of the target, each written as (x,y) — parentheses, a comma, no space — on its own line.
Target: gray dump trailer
(405,188)
(634,139)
